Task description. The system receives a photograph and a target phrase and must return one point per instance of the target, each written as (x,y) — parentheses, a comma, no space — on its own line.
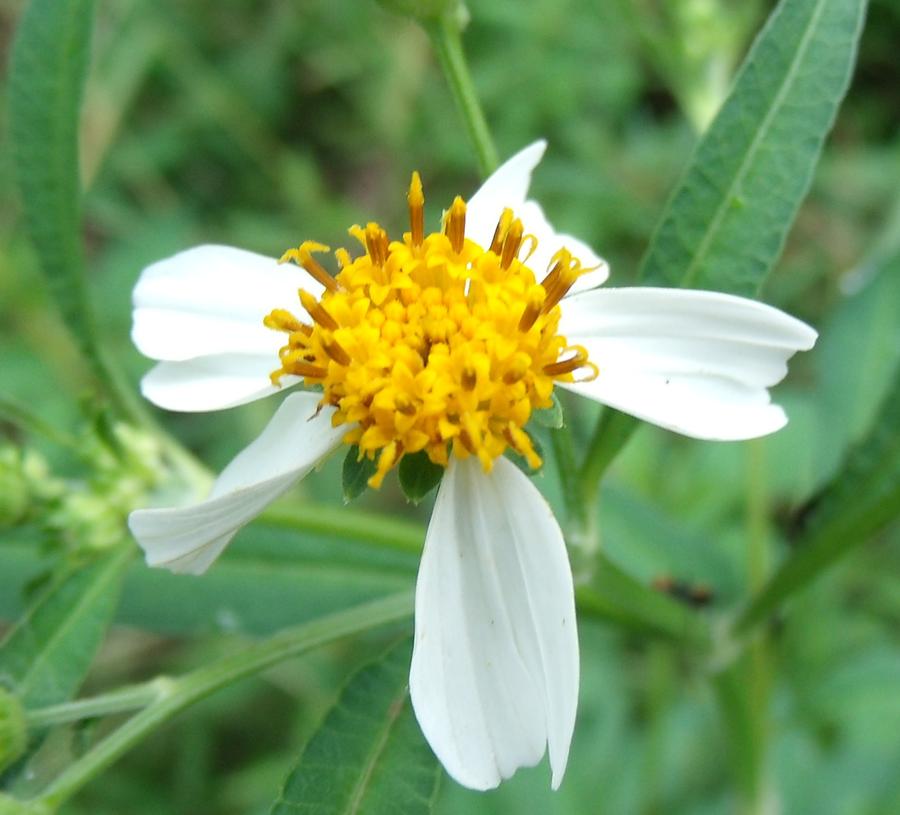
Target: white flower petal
(212,299)
(695,362)
(212,382)
(189,539)
(549,242)
(506,187)
(494,675)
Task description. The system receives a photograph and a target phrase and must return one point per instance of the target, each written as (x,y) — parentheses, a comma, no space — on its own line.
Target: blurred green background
(262,124)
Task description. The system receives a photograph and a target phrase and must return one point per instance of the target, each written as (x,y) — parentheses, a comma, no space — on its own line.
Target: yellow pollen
(432,343)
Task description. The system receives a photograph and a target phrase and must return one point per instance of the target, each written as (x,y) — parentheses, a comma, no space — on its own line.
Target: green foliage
(368,757)
(862,499)
(46,84)
(418,476)
(262,126)
(13,728)
(48,652)
(727,220)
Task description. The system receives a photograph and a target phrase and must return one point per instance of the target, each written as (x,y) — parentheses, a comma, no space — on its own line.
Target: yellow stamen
(511,243)
(506,218)
(376,244)
(317,311)
(336,352)
(456,224)
(534,305)
(433,343)
(416,200)
(302,256)
(577,360)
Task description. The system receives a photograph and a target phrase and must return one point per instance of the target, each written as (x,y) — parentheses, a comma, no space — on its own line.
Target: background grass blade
(46,655)
(368,756)
(863,498)
(727,221)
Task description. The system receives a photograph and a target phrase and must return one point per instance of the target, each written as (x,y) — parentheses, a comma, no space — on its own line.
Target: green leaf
(369,756)
(47,653)
(419,475)
(551,417)
(46,83)
(862,499)
(727,220)
(355,474)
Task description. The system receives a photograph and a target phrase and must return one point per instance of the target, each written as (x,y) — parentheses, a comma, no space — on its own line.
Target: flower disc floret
(433,343)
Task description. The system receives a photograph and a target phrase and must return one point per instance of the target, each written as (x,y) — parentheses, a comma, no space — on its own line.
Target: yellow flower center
(433,343)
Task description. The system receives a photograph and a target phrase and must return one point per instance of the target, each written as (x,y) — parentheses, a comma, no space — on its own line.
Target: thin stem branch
(447,43)
(122,700)
(341,522)
(611,433)
(579,511)
(182,692)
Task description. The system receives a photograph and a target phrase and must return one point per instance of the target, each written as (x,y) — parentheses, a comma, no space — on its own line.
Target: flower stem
(168,697)
(370,527)
(121,700)
(444,32)
(567,469)
(612,432)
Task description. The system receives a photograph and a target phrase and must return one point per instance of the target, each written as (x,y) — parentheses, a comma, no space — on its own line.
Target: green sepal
(419,475)
(355,474)
(551,417)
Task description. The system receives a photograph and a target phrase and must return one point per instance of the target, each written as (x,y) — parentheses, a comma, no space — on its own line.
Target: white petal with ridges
(212,299)
(695,362)
(212,382)
(189,539)
(494,676)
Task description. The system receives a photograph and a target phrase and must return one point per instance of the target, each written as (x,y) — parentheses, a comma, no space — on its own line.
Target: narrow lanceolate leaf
(368,757)
(47,653)
(726,222)
(46,80)
(862,499)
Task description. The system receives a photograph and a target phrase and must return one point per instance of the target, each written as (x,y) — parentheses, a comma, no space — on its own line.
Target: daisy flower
(443,345)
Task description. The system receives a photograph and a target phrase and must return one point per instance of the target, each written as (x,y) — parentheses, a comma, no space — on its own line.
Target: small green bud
(13,731)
